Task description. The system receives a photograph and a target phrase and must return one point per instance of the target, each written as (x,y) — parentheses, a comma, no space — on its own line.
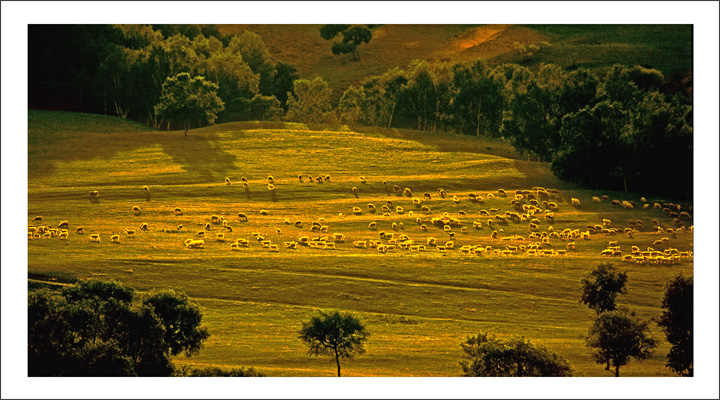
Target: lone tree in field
(488,356)
(353,36)
(616,336)
(601,287)
(342,335)
(677,322)
(185,100)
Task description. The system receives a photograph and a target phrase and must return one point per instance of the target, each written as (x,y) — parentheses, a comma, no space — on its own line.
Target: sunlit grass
(417,306)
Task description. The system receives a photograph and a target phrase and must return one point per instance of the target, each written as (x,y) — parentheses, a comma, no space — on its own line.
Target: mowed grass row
(418,306)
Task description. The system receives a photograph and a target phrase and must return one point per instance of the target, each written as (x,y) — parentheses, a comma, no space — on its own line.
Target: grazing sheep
(62,236)
(208,227)
(606,222)
(456,200)
(570,246)
(130,232)
(416,202)
(643,200)
(271,187)
(63,225)
(575,202)
(399,210)
(501,193)
(300,178)
(220,237)
(95,237)
(425,209)
(685,215)
(396,188)
(657,206)
(327,178)
(553,207)
(136,210)
(372,225)
(144,227)
(242,217)
(354,190)
(196,244)
(227,181)
(596,199)
(357,210)
(263,212)
(178,211)
(200,234)
(407,192)
(270,179)
(371,208)
(94,195)
(319,179)
(115,239)
(310,178)
(37,219)
(627,205)
(363,180)
(449,245)
(427,196)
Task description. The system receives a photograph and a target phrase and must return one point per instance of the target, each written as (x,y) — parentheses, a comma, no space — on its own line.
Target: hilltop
(663,47)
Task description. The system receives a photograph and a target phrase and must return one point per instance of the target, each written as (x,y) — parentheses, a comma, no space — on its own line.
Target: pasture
(417,305)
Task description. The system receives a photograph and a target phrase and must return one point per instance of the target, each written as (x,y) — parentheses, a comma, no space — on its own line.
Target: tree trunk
(337,360)
(186,128)
(617,370)
(392,111)
(625,183)
(607,366)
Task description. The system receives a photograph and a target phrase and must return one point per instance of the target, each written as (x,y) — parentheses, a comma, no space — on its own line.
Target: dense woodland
(623,128)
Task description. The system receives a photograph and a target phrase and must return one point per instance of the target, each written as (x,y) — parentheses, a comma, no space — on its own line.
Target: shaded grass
(418,306)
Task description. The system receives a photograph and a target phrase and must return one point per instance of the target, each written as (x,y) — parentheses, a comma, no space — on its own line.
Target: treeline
(617,130)
(627,128)
(120,69)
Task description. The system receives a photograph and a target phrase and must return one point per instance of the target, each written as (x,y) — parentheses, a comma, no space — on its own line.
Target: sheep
(363,180)
(300,178)
(263,212)
(115,239)
(136,210)
(327,178)
(501,193)
(407,192)
(606,222)
(570,246)
(357,210)
(553,207)
(195,244)
(416,202)
(319,179)
(208,226)
(37,219)
(95,237)
(243,217)
(427,196)
(47,235)
(271,187)
(63,235)
(399,210)
(227,181)
(220,237)
(596,199)
(456,200)
(441,192)
(575,202)
(401,225)
(94,196)
(354,190)
(130,233)
(310,178)
(270,179)
(63,225)
(627,205)
(396,188)
(685,215)
(425,209)
(144,227)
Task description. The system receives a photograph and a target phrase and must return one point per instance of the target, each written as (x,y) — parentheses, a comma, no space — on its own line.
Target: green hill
(664,47)
(417,305)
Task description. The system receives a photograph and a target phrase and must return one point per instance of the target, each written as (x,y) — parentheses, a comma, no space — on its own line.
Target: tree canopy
(100,328)
(485,355)
(342,335)
(352,37)
(186,100)
(601,287)
(616,336)
(677,323)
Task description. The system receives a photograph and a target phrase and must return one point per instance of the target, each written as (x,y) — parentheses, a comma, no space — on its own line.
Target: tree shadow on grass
(198,153)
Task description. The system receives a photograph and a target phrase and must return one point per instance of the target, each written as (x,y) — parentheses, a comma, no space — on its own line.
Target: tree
(97,328)
(485,355)
(285,75)
(353,36)
(342,335)
(478,99)
(185,100)
(311,101)
(601,287)
(616,336)
(677,323)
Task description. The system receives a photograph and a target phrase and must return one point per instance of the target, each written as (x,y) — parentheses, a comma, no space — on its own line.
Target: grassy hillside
(664,47)
(418,306)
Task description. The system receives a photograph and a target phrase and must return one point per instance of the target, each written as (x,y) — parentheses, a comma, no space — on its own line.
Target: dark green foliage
(217,372)
(328,32)
(187,100)
(616,336)
(342,335)
(285,75)
(311,101)
(677,323)
(353,36)
(601,287)
(478,100)
(93,328)
(485,355)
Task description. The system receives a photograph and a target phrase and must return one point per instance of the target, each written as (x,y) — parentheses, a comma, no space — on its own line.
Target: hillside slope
(664,47)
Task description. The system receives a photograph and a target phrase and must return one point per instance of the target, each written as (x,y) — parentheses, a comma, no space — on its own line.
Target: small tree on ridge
(341,335)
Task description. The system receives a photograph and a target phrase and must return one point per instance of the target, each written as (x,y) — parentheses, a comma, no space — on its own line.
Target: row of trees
(120,69)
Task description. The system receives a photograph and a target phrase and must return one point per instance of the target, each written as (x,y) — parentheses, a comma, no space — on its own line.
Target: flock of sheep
(537,208)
